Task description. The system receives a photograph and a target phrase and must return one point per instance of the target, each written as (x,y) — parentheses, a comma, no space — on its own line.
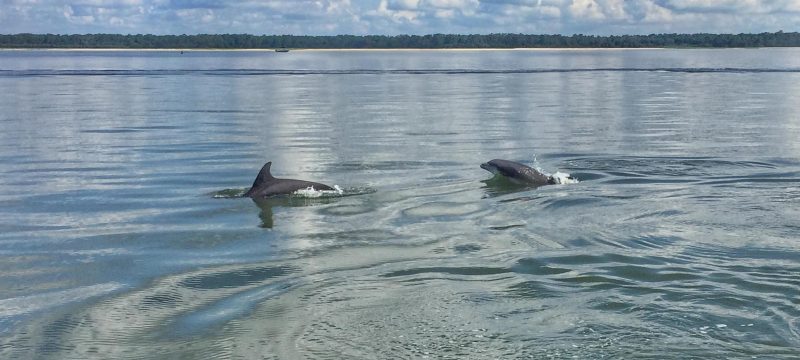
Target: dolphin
(518,173)
(266,185)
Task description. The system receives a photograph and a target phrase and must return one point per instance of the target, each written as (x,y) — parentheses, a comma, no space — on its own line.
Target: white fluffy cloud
(328,17)
(420,12)
(732,6)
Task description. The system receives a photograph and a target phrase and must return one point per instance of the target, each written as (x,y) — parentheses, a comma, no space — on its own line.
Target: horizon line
(409,35)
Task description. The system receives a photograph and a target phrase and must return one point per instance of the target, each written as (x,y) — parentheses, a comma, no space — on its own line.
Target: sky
(395,17)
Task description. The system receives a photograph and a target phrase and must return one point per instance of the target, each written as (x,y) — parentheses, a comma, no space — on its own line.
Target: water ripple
(302,72)
(679,241)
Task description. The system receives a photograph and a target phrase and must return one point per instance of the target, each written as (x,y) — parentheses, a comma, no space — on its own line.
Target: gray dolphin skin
(518,173)
(266,185)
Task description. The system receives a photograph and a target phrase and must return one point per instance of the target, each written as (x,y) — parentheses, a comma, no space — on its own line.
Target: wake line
(269,72)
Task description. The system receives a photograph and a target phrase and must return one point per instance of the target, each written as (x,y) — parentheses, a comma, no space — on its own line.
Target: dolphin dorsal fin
(264,175)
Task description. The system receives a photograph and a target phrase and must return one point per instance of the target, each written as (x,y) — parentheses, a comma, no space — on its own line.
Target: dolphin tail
(263,176)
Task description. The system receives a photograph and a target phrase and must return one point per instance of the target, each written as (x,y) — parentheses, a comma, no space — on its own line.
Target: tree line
(434,41)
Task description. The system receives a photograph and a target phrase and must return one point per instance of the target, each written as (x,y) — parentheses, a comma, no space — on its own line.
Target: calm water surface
(117,239)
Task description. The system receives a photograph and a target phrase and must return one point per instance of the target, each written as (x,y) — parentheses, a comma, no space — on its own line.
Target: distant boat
(282,50)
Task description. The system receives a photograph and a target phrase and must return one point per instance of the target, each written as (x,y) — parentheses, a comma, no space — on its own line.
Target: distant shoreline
(503,41)
(337,50)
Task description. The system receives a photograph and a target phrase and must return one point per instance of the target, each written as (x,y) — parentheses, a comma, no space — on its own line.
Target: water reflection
(500,185)
(269,205)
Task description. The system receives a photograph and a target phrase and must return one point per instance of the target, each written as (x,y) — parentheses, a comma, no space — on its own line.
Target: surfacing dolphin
(266,185)
(518,173)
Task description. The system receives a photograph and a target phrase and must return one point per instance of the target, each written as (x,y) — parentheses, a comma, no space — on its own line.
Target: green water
(121,236)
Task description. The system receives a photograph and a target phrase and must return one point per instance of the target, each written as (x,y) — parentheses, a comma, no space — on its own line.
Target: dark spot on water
(596,280)
(536,267)
(658,214)
(467,248)
(636,181)
(161,300)
(624,174)
(236,278)
(791,178)
(533,289)
(108,131)
(651,242)
(449,270)
(53,333)
(587,176)
(506,227)
(612,305)
(520,199)
(431,133)
(584,242)
(560,203)
(644,274)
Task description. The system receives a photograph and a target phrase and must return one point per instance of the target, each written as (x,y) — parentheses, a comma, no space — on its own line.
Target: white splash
(559,177)
(310,192)
(564,178)
(535,164)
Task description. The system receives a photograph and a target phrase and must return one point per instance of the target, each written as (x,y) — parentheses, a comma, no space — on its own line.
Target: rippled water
(121,237)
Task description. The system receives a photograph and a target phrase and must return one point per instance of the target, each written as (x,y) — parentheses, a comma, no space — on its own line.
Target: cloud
(647,12)
(189,4)
(586,9)
(400,5)
(331,17)
(425,12)
(732,6)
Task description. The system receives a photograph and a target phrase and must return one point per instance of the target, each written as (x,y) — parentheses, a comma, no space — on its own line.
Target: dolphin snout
(489,167)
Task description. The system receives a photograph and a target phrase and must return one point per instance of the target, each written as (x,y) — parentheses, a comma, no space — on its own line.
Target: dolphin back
(519,172)
(288,186)
(266,185)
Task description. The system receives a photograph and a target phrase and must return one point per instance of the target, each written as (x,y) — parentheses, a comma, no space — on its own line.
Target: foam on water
(559,177)
(564,178)
(310,192)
